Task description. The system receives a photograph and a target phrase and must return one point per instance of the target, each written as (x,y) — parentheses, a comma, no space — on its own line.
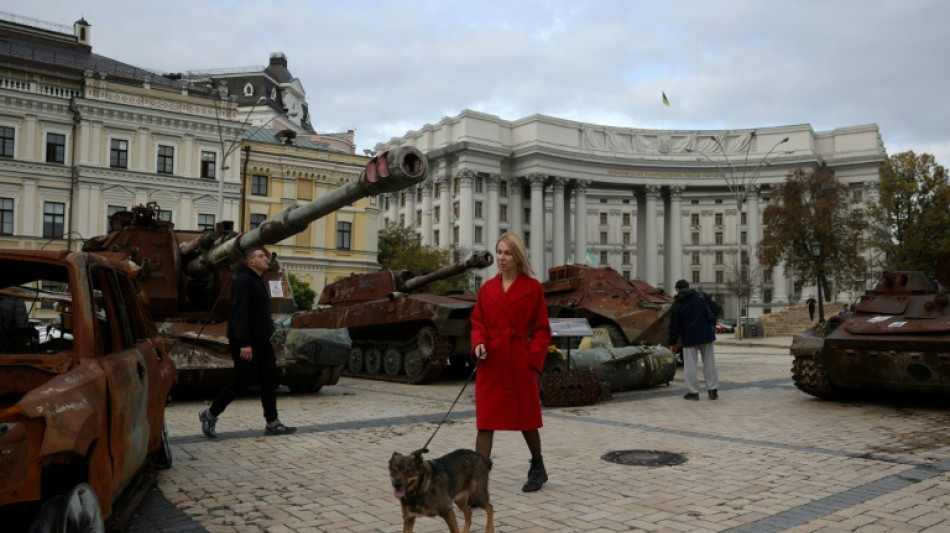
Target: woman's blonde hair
(516,245)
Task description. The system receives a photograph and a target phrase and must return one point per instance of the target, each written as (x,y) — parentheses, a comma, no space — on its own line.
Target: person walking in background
(692,324)
(811,307)
(249,330)
(510,336)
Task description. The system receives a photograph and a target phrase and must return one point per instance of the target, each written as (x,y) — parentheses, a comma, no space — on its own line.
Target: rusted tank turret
(630,311)
(400,331)
(895,341)
(186,276)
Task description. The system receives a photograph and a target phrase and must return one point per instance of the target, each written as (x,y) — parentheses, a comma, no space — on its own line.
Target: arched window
(248,90)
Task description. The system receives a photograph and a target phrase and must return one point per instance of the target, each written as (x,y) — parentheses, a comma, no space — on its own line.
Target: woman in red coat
(511,334)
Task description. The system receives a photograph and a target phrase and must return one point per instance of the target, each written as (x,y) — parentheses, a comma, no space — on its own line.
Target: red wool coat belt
(516,333)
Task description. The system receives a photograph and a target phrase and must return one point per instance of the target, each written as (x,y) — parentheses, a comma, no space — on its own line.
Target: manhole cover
(644,458)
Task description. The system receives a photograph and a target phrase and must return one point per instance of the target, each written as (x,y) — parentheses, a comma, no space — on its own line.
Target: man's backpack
(713,310)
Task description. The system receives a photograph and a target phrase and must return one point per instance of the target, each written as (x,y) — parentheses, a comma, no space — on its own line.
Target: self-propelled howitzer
(186,275)
(400,331)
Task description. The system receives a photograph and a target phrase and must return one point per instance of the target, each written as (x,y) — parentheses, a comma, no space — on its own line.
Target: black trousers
(261,369)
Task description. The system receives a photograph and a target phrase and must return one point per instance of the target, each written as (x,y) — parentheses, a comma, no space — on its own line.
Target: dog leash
(425,447)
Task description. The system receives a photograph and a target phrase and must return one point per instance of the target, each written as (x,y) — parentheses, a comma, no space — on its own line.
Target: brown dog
(428,488)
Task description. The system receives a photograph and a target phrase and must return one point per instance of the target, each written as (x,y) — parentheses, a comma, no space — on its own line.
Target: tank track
(387,361)
(810,377)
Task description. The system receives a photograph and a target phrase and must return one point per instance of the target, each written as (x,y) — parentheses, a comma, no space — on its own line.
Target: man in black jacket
(692,324)
(249,330)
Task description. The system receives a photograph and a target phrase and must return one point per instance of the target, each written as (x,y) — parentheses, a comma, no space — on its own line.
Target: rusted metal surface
(186,275)
(607,300)
(399,331)
(87,405)
(896,340)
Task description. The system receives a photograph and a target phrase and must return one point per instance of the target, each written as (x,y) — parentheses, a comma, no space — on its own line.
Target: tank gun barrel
(389,171)
(477,260)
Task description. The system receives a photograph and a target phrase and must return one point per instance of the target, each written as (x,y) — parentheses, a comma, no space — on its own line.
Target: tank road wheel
(354,363)
(77,511)
(415,364)
(810,377)
(392,361)
(374,360)
(425,340)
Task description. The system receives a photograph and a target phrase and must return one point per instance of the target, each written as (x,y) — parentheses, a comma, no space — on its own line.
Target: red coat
(516,333)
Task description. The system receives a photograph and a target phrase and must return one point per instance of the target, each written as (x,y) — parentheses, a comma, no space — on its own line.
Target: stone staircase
(791,320)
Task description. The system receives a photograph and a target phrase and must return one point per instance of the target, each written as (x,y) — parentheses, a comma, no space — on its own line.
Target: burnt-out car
(82,409)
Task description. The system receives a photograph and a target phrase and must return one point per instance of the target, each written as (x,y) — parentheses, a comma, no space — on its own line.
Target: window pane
(166,160)
(6,216)
(257,219)
(343,233)
(54,219)
(119,154)
(205,222)
(6,142)
(208,165)
(55,148)
(259,185)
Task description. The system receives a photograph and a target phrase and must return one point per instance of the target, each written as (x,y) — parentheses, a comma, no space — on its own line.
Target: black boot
(537,475)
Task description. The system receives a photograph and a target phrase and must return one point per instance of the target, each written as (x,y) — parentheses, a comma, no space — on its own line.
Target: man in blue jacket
(692,324)
(249,330)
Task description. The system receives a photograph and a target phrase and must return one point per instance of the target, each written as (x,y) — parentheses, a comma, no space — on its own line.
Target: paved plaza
(764,457)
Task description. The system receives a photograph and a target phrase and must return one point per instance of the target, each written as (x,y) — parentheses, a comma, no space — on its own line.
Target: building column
(650,245)
(466,179)
(427,187)
(536,245)
(780,282)
(140,145)
(641,234)
(411,207)
(187,211)
(394,208)
(491,222)
(516,206)
(445,209)
(752,241)
(673,248)
(29,132)
(557,235)
(580,221)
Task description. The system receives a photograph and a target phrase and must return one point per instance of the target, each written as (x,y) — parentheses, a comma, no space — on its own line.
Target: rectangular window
(742,240)
(205,222)
(720,276)
(478,235)
(503,189)
(435,236)
(479,184)
(767,276)
(856,195)
(402,199)
(166,160)
(111,210)
(626,237)
(603,237)
(527,214)
(719,219)
(438,189)
(344,231)
(478,210)
(767,296)
(55,148)
(419,195)
(603,258)
(456,186)
(694,219)
(455,209)
(626,258)
(718,237)
(208,165)
(626,275)
(6,141)
(257,219)
(165,215)
(527,237)
(626,219)
(695,276)
(718,258)
(455,234)
(695,239)
(438,213)
(503,213)
(119,153)
(743,219)
(603,219)
(6,216)
(695,258)
(418,220)
(54,219)
(259,185)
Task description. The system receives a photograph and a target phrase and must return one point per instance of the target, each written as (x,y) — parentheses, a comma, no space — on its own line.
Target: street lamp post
(740,185)
(816,253)
(226,152)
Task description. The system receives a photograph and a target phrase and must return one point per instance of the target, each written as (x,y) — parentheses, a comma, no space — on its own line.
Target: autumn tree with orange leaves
(809,206)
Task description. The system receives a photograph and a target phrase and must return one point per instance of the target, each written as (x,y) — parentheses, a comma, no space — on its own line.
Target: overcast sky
(383,68)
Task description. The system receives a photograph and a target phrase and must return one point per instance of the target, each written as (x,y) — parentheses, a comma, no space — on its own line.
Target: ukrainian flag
(666,101)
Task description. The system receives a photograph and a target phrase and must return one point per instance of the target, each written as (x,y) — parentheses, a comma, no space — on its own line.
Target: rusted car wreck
(82,392)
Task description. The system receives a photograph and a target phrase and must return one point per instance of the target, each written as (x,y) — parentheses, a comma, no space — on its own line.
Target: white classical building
(658,205)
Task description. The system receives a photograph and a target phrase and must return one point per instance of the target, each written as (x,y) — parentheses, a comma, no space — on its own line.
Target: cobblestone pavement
(764,457)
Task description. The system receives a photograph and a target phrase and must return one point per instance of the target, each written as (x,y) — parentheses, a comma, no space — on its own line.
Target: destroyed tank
(630,312)
(896,341)
(186,279)
(400,331)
